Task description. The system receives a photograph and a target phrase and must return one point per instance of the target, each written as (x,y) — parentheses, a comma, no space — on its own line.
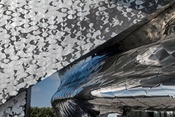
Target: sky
(113,115)
(43,91)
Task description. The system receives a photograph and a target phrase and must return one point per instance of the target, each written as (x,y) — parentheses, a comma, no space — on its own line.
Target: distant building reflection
(135,72)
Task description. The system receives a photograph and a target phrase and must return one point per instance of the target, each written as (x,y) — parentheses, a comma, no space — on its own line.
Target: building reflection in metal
(138,77)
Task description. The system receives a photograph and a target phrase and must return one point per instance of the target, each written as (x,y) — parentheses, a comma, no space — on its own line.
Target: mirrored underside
(107,84)
(134,73)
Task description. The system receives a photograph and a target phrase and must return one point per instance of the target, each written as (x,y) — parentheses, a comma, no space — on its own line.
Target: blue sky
(44,90)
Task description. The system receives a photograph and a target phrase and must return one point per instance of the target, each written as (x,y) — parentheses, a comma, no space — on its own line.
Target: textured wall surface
(136,71)
(39,37)
(141,78)
(14,107)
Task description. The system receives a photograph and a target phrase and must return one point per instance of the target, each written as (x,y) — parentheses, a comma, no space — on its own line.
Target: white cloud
(57,84)
(55,76)
(56,79)
(36,89)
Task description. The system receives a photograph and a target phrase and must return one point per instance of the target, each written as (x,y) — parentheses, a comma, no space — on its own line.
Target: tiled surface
(135,82)
(136,72)
(14,107)
(41,37)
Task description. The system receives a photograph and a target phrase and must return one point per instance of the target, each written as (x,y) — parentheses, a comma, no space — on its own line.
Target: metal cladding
(134,70)
(39,37)
(14,107)
(142,78)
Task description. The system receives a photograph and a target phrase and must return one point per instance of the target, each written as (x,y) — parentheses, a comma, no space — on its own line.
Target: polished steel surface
(134,73)
(110,83)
